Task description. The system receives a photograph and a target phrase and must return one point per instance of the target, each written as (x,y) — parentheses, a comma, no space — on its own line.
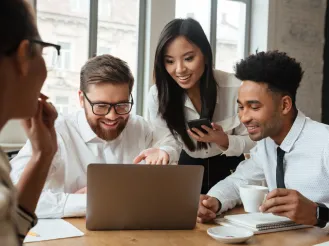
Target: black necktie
(279,169)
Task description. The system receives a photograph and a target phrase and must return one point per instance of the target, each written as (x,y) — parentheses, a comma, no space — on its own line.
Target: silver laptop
(123,197)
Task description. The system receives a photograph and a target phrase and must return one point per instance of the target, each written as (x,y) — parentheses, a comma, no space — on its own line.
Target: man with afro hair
(292,151)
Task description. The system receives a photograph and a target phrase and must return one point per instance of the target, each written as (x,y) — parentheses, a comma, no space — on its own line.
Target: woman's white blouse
(225,114)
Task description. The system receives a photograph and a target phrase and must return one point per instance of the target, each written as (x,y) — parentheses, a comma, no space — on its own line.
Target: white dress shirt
(306,165)
(225,114)
(15,222)
(79,146)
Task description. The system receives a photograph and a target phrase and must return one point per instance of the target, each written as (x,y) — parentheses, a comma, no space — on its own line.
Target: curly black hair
(280,72)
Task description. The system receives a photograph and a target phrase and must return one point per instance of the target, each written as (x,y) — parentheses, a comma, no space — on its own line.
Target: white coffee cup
(252,197)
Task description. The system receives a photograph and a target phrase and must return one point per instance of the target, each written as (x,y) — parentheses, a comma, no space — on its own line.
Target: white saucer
(229,234)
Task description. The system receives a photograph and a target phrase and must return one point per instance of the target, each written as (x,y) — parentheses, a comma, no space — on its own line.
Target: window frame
(144,21)
(213,27)
(141,30)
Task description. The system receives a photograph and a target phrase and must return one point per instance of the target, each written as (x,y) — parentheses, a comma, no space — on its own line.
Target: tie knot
(280,152)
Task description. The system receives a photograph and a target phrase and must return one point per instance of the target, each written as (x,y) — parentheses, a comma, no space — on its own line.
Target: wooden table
(197,237)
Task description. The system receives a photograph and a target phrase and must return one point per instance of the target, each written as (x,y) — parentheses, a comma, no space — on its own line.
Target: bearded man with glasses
(103,131)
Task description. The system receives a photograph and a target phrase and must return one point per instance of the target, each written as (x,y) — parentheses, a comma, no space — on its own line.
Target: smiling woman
(187,88)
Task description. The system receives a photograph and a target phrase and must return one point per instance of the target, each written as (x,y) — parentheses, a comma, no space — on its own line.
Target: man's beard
(271,127)
(107,134)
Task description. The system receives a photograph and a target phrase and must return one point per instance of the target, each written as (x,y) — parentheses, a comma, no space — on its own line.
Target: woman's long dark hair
(170,95)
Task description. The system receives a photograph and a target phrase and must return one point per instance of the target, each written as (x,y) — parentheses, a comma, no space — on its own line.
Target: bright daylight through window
(67,23)
(230,27)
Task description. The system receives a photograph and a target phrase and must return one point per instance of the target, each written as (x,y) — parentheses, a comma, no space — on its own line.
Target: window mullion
(247,28)
(141,57)
(213,28)
(93,28)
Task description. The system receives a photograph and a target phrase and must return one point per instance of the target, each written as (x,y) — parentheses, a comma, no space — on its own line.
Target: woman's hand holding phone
(210,135)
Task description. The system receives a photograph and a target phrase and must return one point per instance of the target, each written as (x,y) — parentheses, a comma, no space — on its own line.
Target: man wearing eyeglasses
(103,132)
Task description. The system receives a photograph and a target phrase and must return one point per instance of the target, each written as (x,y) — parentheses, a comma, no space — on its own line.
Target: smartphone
(198,123)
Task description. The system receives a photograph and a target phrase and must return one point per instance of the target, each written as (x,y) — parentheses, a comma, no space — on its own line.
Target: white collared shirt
(15,222)
(306,165)
(79,146)
(225,114)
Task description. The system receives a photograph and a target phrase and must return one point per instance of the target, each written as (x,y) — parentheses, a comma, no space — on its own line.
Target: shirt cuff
(226,204)
(232,144)
(173,157)
(75,205)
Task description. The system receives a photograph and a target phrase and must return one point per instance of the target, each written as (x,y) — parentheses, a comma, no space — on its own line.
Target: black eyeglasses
(43,44)
(102,109)
(50,53)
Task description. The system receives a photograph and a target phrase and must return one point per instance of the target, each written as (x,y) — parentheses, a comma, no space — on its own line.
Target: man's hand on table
(208,207)
(291,204)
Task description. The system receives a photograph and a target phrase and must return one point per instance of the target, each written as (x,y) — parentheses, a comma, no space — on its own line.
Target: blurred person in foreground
(22,73)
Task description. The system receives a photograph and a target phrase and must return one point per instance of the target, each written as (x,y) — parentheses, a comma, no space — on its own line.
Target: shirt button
(206,152)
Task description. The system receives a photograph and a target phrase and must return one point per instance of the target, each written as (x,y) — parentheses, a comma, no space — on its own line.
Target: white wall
(297,27)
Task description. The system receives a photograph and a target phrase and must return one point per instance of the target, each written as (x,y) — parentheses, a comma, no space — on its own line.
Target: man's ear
(23,57)
(286,104)
(81,99)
